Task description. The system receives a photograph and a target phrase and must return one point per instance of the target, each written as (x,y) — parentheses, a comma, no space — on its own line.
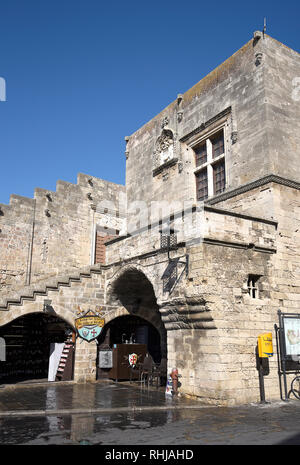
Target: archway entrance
(140,332)
(38,347)
(134,330)
(125,335)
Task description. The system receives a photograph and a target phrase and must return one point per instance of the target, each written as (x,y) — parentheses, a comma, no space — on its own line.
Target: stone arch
(132,293)
(34,340)
(132,329)
(60,311)
(133,267)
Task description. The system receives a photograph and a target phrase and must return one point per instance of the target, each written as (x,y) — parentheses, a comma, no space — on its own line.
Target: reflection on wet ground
(91,395)
(168,422)
(73,428)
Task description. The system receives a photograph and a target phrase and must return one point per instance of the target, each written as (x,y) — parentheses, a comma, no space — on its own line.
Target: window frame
(222,180)
(253,283)
(211,161)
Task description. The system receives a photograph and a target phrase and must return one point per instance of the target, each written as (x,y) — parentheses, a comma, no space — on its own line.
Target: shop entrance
(38,347)
(123,336)
(139,333)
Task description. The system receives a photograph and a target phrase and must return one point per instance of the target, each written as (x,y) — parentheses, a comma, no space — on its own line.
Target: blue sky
(82,75)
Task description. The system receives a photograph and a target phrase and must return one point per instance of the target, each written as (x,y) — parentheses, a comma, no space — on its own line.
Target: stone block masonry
(233,136)
(54,233)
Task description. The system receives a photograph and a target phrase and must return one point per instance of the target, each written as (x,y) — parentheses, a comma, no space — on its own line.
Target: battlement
(54,231)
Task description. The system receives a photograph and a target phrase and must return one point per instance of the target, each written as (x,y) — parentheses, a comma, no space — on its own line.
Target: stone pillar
(85,361)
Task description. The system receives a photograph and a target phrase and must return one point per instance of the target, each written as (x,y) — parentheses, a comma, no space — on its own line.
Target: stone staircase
(51,283)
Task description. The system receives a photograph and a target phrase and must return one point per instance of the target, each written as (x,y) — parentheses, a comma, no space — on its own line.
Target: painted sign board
(105,359)
(89,326)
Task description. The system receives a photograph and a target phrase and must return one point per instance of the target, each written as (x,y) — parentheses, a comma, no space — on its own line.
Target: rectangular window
(219,177)
(217,142)
(202,185)
(201,154)
(252,284)
(209,169)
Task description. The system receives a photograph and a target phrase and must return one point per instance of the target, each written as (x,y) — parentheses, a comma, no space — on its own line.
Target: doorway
(38,347)
(132,334)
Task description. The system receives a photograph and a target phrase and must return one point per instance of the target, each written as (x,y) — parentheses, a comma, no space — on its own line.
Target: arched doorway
(133,334)
(38,346)
(133,330)
(142,326)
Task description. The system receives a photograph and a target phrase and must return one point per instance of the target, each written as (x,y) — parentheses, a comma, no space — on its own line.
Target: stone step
(42,287)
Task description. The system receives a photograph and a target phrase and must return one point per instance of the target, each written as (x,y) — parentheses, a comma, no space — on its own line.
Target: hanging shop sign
(89,326)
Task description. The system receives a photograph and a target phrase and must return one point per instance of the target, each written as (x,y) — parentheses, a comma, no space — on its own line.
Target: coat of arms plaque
(89,325)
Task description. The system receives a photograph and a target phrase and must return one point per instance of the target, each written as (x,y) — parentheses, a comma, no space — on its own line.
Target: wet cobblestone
(129,416)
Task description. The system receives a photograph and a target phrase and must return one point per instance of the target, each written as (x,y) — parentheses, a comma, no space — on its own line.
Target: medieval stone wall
(203,223)
(282,96)
(206,308)
(212,323)
(54,232)
(282,202)
(217,360)
(253,91)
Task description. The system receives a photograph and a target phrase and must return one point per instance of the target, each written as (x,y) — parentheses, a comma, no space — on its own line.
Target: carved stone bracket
(179,116)
(258,58)
(234,137)
(186,313)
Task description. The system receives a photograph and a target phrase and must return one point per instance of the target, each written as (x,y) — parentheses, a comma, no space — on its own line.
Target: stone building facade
(220,175)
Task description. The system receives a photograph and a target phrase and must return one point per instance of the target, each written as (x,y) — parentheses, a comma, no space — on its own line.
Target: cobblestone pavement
(119,414)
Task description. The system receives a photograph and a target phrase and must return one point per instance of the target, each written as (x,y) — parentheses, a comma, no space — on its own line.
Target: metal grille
(168,241)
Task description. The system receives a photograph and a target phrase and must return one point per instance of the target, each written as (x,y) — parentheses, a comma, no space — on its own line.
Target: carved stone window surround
(204,136)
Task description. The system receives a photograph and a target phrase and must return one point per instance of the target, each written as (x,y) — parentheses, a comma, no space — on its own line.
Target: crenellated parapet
(54,231)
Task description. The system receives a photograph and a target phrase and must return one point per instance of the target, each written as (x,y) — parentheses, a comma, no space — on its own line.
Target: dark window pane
(219,177)
(217,144)
(201,154)
(201,185)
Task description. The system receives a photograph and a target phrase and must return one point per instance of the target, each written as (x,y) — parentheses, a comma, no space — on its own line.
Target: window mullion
(210,174)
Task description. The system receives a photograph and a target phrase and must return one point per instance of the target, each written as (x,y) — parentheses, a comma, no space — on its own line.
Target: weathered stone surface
(199,302)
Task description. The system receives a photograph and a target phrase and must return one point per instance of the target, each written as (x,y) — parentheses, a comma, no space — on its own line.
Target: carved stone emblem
(164,147)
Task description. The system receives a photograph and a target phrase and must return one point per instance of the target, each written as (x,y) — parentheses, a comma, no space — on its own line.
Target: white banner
(292,335)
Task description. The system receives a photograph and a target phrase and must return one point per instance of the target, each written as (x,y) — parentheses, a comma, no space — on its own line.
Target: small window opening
(253,286)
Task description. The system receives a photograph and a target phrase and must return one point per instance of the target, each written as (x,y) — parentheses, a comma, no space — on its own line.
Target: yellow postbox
(265,345)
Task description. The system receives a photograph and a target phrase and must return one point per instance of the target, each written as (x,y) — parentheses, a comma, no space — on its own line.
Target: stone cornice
(252,185)
(205,125)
